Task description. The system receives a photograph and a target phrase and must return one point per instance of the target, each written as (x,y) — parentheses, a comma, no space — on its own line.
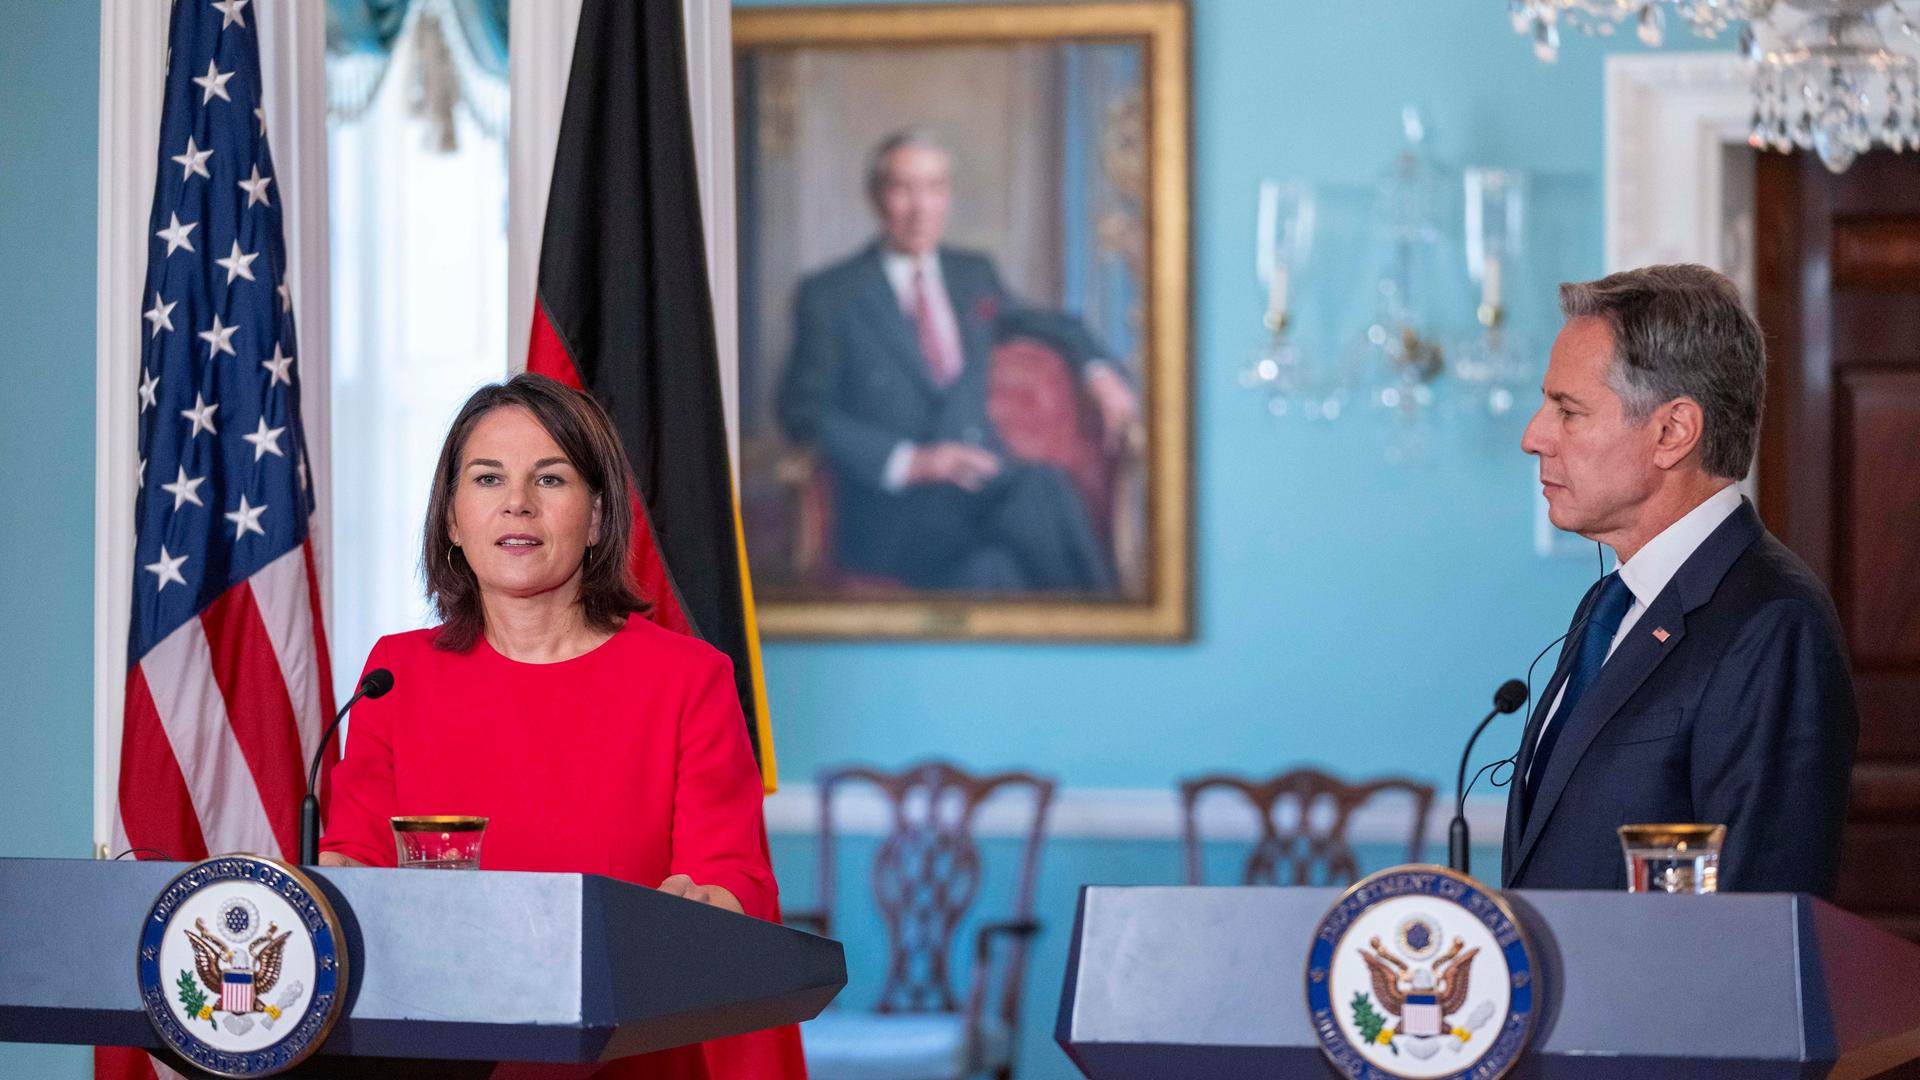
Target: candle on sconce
(1490,283)
(1277,296)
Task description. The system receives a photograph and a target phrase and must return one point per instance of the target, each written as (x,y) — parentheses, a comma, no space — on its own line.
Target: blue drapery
(457,70)
(369,27)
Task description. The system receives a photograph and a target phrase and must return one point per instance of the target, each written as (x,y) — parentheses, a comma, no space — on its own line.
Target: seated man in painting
(888,382)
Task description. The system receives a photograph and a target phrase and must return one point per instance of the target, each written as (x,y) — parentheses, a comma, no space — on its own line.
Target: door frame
(1678,173)
(1671,120)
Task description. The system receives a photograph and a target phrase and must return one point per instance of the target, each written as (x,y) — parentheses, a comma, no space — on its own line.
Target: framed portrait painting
(964,345)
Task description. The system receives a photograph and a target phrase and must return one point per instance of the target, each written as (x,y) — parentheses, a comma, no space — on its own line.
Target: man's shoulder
(965,260)
(842,275)
(1769,578)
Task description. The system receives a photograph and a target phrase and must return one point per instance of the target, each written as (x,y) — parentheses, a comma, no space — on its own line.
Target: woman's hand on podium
(715,895)
(334,858)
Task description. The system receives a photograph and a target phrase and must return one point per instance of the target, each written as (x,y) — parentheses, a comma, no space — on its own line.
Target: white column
(293,71)
(539,55)
(710,84)
(133,47)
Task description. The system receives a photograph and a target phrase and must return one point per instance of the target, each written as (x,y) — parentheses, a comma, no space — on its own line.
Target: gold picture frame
(1148,515)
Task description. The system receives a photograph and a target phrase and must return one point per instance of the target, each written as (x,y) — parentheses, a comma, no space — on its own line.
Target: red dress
(631,760)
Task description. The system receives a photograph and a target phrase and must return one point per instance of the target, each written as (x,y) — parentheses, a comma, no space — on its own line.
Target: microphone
(1512,694)
(372,685)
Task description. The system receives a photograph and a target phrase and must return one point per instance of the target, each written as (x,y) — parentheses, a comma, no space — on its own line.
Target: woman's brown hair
(586,435)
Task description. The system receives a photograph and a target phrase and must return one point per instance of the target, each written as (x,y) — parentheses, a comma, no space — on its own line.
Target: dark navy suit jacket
(857,384)
(1743,716)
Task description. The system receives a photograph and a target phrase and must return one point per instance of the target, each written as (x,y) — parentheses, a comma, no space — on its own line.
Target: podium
(450,971)
(1210,982)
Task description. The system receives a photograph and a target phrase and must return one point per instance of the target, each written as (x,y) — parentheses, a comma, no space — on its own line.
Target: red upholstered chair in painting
(1303,818)
(926,877)
(1042,414)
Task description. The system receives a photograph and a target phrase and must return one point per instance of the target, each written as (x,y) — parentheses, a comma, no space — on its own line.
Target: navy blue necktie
(1590,652)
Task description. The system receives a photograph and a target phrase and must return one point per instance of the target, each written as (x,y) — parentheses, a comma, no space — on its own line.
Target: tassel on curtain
(464,70)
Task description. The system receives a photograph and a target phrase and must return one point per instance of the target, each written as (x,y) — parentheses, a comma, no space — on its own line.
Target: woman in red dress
(593,740)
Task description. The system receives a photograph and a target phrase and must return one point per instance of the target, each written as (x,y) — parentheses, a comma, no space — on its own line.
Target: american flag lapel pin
(1660,635)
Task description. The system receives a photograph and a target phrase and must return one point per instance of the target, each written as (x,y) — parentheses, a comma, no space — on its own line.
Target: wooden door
(1838,290)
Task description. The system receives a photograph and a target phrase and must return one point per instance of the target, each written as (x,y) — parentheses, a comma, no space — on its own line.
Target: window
(417,165)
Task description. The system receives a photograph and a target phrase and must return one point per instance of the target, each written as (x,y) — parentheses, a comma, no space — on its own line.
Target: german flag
(622,310)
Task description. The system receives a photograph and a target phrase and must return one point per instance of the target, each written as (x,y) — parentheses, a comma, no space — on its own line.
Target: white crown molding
(1090,813)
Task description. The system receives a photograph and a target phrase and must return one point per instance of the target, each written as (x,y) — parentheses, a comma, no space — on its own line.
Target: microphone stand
(1511,695)
(1458,841)
(376,683)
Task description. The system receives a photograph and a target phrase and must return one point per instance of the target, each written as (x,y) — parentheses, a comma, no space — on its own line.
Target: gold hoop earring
(589,555)
(450,551)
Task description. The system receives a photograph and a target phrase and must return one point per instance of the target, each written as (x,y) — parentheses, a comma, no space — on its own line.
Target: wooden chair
(926,877)
(1303,817)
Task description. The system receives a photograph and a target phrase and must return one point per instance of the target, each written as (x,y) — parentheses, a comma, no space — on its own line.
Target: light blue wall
(49,105)
(49,99)
(1347,613)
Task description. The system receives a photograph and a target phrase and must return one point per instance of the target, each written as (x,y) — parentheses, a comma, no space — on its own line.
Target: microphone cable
(1512,761)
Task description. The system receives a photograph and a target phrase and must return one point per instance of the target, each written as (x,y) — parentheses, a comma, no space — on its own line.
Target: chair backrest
(1303,818)
(926,874)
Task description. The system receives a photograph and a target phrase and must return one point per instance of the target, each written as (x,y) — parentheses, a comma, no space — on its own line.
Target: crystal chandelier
(1831,76)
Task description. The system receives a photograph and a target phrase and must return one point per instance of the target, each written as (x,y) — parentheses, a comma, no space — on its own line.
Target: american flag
(227,681)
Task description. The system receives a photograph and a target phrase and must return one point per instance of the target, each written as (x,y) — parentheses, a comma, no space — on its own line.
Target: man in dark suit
(1705,680)
(888,381)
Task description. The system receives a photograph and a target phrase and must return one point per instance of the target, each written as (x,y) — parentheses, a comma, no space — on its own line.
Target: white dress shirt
(1653,566)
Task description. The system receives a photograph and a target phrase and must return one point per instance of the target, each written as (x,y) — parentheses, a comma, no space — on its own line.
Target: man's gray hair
(877,160)
(1681,331)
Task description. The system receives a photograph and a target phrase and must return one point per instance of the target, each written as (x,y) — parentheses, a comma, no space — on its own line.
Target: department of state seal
(1421,973)
(242,968)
